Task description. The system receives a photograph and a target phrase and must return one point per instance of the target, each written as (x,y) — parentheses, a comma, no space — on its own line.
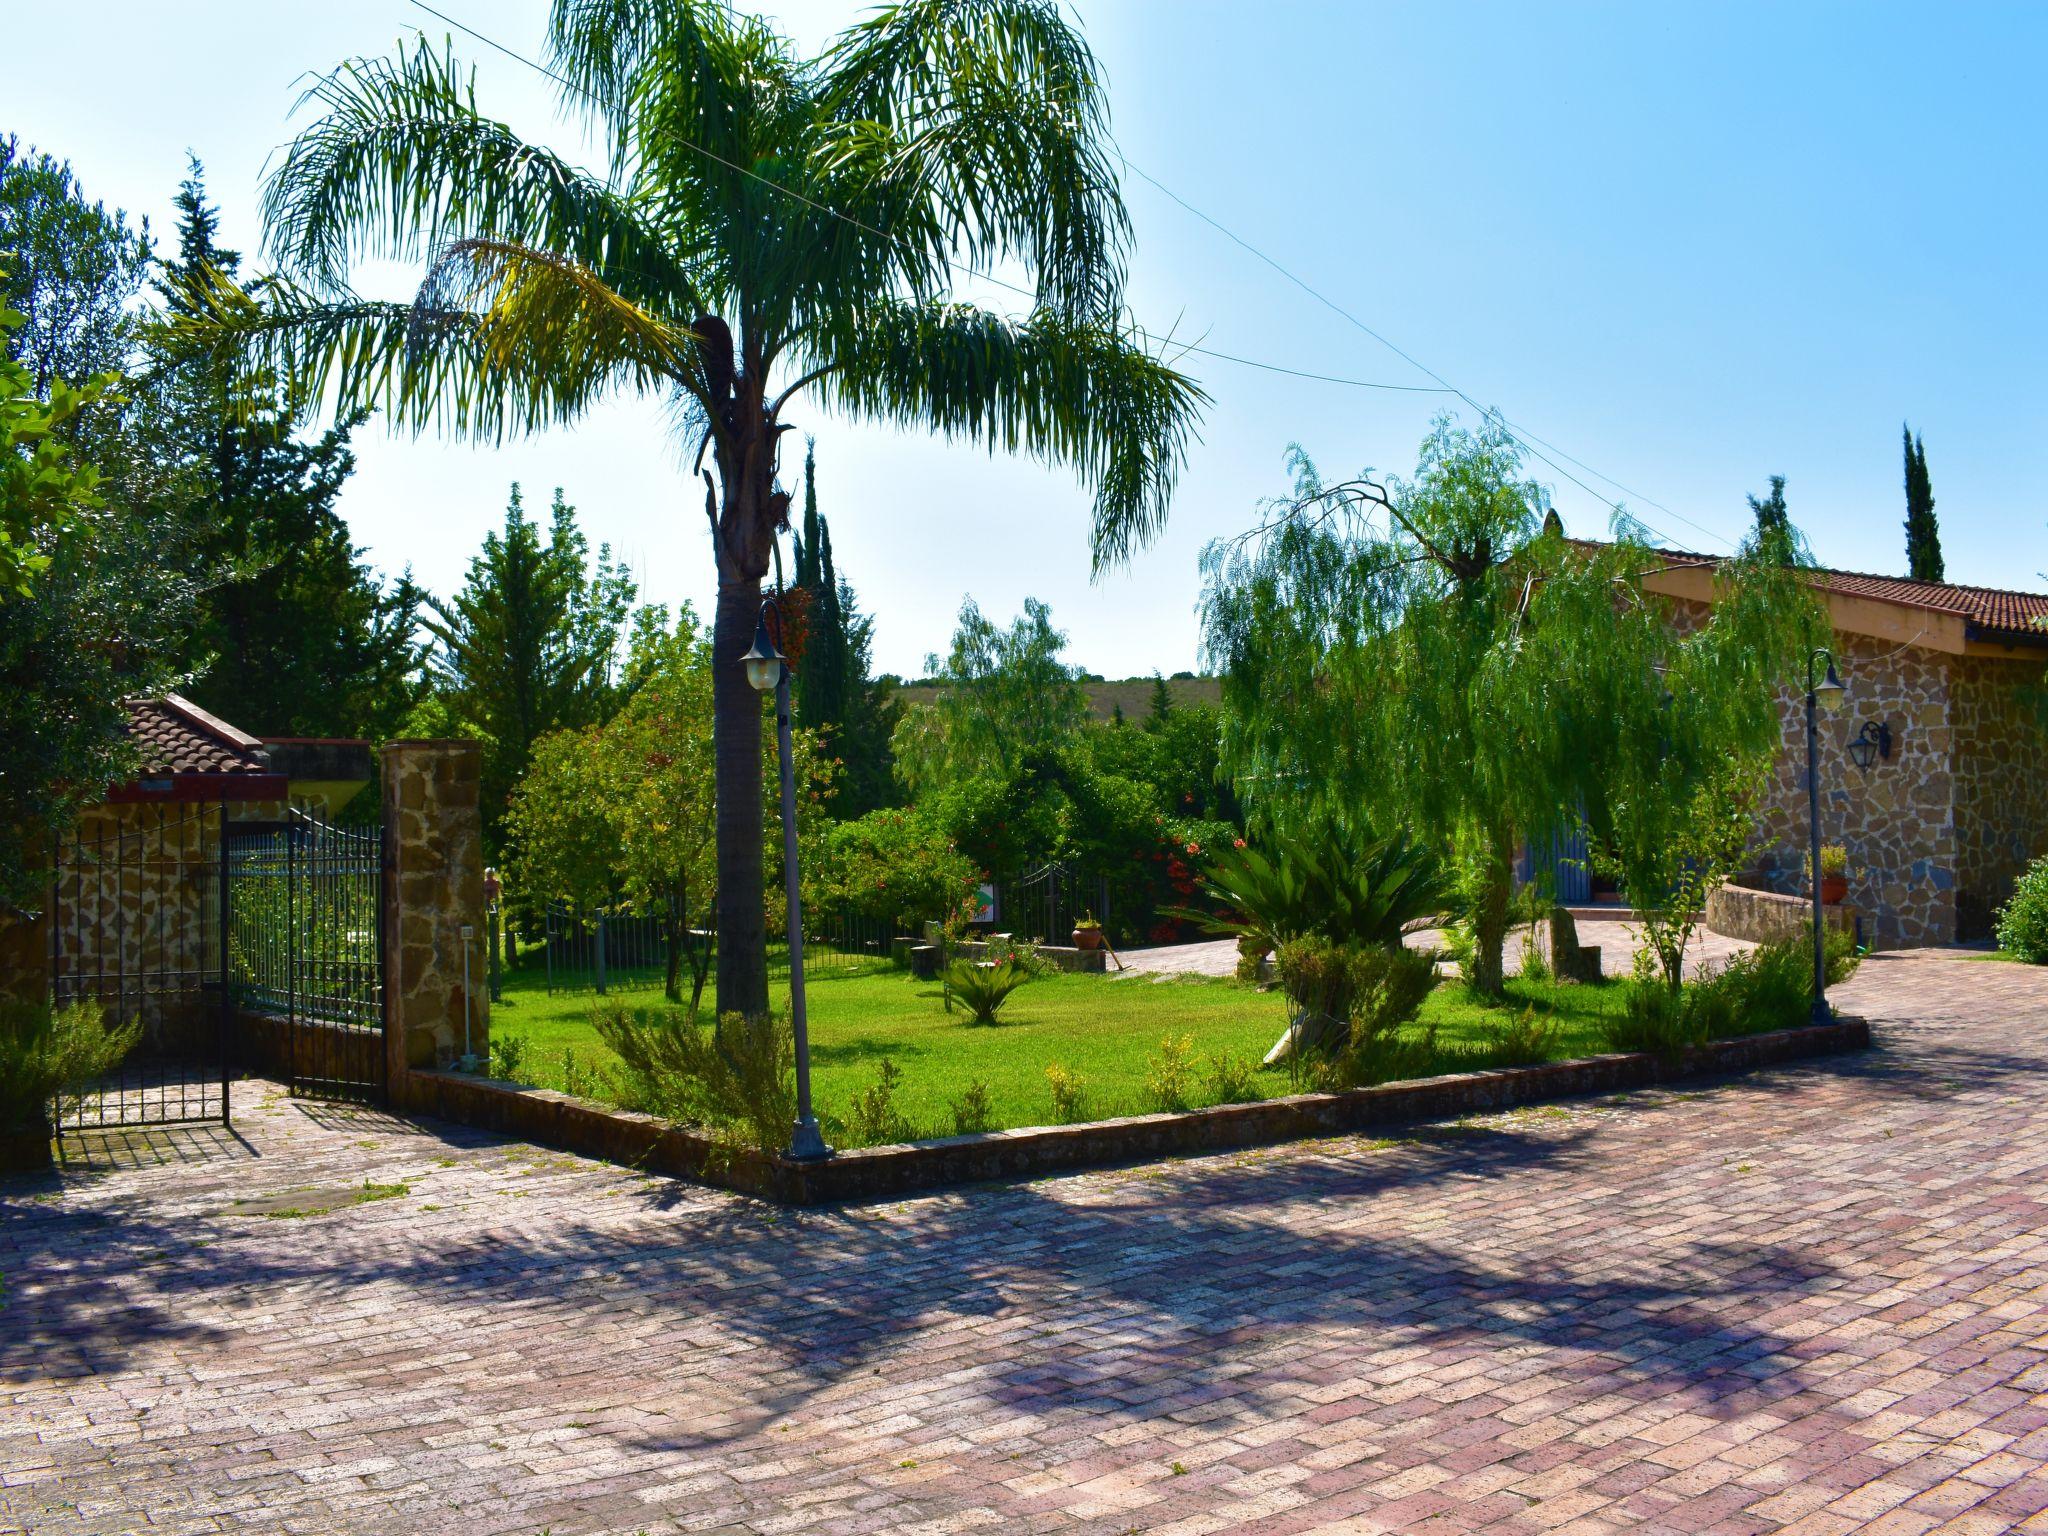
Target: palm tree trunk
(736,752)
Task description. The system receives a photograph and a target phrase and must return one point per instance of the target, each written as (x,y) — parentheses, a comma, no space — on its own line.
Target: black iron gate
(137,911)
(1044,904)
(305,937)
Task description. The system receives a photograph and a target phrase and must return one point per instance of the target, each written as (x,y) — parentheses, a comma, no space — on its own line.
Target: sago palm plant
(769,225)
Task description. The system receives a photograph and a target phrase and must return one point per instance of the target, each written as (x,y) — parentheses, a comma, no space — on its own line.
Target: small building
(133,919)
(1932,774)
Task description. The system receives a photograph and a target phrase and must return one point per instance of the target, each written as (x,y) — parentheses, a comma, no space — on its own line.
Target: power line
(958,268)
(1521,434)
(1527,439)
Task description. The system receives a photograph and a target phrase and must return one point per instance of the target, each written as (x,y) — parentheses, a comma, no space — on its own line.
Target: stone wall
(434,887)
(135,913)
(2001,790)
(1767,917)
(1897,818)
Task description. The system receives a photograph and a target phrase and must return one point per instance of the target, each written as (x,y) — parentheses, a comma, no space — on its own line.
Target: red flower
(1194,847)
(1237,842)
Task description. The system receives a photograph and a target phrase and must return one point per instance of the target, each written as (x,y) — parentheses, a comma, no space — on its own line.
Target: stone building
(1945,688)
(133,918)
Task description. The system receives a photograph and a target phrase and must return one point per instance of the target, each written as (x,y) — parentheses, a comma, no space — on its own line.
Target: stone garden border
(881,1173)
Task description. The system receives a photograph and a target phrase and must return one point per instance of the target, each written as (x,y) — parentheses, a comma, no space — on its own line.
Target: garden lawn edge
(880,1173)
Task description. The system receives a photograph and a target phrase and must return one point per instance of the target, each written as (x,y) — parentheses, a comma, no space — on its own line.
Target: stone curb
(880,1173)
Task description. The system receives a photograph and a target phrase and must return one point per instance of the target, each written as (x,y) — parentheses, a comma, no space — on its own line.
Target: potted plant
(44,1054)
(1834,874)
(1087,933)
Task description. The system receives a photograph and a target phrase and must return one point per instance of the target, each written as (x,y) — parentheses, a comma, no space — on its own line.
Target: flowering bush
(894,865)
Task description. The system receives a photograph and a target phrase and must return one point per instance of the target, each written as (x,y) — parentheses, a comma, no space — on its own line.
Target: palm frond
(540,317)
(1082,393)
(1001,114)
(400,164)
(541,359)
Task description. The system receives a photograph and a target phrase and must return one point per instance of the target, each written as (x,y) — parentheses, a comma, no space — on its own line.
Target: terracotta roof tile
(1989,608)
(176,736)
(1992,610)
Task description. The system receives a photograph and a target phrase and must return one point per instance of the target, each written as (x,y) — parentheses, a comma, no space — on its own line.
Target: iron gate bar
(147,960)
(334,971)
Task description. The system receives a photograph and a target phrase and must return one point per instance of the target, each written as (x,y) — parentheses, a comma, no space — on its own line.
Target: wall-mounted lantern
(1872,743)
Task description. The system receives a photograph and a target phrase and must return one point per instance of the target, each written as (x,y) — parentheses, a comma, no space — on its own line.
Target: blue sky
(1690,246)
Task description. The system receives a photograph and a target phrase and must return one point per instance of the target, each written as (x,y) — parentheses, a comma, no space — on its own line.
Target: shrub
(997,950)
(738,1081)
(1834,861)
(1534,967)
(894,865)
(1375,986)
(1770,987)
(984,987)
(1653,1019)
(1069,1094)
(50,1053)
(1523,1040)
(873,1120)
(1232,1078)
(508,1054)
(1372,991)
(973,1112)
(1170,1076)
(578,1078)
(1251,954)
(2023,920)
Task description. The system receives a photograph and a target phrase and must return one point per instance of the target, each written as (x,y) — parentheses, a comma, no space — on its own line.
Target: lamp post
(768,668)
(1825,694)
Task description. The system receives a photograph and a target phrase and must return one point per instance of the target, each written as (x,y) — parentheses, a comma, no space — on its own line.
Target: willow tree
(1433,655)
(770,224)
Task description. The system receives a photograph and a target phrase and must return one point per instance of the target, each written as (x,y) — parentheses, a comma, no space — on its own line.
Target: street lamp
(1826,694)
(768,668)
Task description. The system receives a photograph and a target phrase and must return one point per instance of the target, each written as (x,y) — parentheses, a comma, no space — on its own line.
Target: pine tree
(1773,520)
(300,637)
(1162,703)
(1923,534)
(529,645)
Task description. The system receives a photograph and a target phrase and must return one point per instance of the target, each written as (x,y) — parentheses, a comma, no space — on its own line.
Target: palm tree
(770,224)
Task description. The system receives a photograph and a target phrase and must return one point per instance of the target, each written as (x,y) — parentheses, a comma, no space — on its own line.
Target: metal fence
(134,926)
(606,952)
(1043,904)
(305,945)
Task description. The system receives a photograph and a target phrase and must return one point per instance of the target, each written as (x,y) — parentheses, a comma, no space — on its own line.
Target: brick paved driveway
(1815,1301)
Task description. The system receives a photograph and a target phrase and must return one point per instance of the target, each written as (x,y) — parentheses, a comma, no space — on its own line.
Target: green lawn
(1106,1029)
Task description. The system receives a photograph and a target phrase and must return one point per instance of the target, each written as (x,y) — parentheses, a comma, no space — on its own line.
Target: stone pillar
(433,888)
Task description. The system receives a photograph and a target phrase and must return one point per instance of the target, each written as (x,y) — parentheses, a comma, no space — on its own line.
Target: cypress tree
(833,690)
(1773,520)
(1923,534)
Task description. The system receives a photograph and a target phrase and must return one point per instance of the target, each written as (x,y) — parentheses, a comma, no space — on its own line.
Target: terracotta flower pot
(1834,890)
(25,1151)
(1087,938)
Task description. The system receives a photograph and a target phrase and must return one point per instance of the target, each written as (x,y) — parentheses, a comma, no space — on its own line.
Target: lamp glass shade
(1862,751)
(763,662)
(1829,692)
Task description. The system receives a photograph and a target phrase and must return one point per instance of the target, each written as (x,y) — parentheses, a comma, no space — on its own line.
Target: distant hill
(1134,693)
